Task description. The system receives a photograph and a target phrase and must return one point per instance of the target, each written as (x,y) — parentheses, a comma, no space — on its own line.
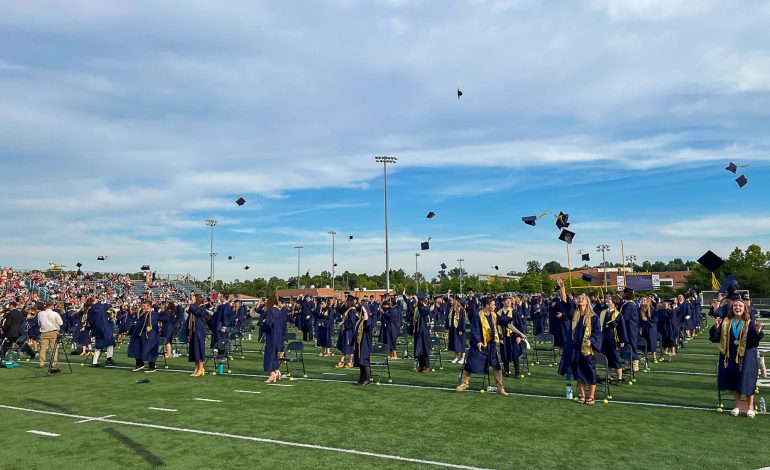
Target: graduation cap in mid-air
(425,245)
(230,257)
(562,220)
(497,268)
(145,267)
(711,261)
(292,282)
(530,220)
(586,277)
(350,237)
(430,215)
(586,257)
(443,266)
(101,258)
(732,167)
(742,181)
(79,264)
(240,201)
(246,268)
(566,236)
(459,93)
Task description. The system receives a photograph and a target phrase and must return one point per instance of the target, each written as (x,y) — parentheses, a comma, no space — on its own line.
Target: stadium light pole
(416,271)
(211,223)
(385,160)
(631,259)
(604,248)
(333,233)
(298,248)
(460,260)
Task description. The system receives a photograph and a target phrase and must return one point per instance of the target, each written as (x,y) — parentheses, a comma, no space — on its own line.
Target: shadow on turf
(50,406)
(145,454)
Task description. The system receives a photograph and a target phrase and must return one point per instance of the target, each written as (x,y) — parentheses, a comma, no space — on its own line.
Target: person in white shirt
(50,323)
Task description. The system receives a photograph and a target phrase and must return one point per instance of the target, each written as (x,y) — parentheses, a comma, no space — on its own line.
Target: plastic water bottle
(221,369)
(568,391)
(762,405)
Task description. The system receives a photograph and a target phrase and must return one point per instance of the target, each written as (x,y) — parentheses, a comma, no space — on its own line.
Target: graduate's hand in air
(559,282)
(622,344)
(759,327)
(480,346)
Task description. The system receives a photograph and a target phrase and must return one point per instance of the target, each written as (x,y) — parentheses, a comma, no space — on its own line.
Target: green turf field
(667,419)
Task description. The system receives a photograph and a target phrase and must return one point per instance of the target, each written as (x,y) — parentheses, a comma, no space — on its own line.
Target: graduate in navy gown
(585,338)
(390,326)
(455,326)
(363,344)
(274,328)
(325,321)
(667,319)
(613,335)
(630,313)
(143,345)
(101,327)
(196,335)
(82,335)
(421,331)
(482,352)
(345,335)
(167,320)
(649,322)
(738,337)
(306,318)
(220,321)
(504,318)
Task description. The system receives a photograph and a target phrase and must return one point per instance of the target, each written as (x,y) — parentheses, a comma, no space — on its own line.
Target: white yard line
(170,410)
(87,420)
(333,373)
(208,400)
(243,438)
(43,433)
(281,385)
(246,391)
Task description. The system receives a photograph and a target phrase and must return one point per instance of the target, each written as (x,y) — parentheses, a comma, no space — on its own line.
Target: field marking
(245,438)
(246,391)
(87,420)
(333,373)
(170,410)
(281,385)
(43,433)
(682,372)
(208,399)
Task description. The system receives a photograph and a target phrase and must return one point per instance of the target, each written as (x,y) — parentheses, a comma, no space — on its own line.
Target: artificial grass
(436,423)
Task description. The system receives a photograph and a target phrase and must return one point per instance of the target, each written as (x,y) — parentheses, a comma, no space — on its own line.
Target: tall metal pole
(385,160)
(333,233)
(461,275)
(211,223)
(298,248)
(604,248)
(416,274)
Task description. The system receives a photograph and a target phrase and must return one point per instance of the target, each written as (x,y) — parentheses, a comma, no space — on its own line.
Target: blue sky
(125,124)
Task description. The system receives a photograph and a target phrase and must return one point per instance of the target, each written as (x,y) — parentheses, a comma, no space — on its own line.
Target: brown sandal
(582,400)
(590,401)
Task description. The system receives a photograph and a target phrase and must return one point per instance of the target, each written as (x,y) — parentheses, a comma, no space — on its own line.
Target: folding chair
(437,344)
(380,357)
(162,350)
(600,361)
(218,355)
(294,355)
(236,343)
(87,356)
(290,337)
(441,332)
(548,344)
(403,340)
(16,348)
(626,361)
(641,345)
(524,358)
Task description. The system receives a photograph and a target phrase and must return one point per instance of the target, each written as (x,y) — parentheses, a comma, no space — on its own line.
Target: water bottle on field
(762,405)
(568,391)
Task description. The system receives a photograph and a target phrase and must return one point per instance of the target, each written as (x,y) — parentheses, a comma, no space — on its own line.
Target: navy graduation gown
(390,327)
(325,328)
(669,331)
(101,327)
(630,314)
(196,333)
(477,362)
(610,345)
(421,327)
(81,335)
(345,335)
(274,327)
(739,378)
(143,344)
(456,334)
(583,367)
(363,346)
(650,331)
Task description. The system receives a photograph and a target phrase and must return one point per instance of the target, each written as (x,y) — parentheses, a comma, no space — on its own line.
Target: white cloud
(652,9)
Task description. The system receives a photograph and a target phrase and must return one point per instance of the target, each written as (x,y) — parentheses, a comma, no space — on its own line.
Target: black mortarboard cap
(566,236)
(292,282)
(145,267)
(79,264)
(459,93)
(711,261)
(443,266)
(229,257)
(561,220)
(732,167)
(240,201)
(530,220)
(497,268)
(586,277)
(431,215)
(101,258)
(425,246)
(586,257)
(246,268)
(628,290)
(350,237)
(742,181)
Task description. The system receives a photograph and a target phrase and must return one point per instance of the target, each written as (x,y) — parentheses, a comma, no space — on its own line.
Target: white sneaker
(750,414)
(461,361)
(736,412)
(454,361)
